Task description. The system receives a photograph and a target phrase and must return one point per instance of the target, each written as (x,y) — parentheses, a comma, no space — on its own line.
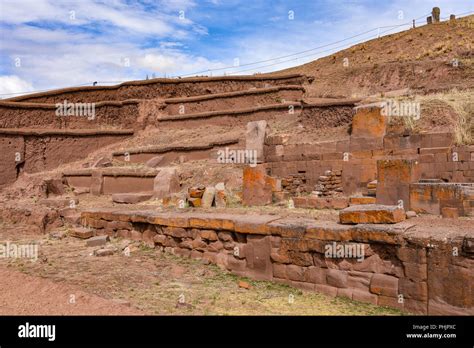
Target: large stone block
(372,214)
(385,285)
(257,255)
(166,182)
(393,180)
(368,122)
(255,139)
(257,190)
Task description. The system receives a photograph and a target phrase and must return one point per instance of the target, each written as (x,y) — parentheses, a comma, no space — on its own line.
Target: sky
(48,44)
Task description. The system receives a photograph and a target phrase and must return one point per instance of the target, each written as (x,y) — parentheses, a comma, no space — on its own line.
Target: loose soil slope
(419,58)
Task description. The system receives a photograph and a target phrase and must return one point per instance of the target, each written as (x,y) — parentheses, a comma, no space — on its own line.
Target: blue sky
(47,44)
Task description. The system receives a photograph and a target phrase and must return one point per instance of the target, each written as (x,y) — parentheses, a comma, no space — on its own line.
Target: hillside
(419,58)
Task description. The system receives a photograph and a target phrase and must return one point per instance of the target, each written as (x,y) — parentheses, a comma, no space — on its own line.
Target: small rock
(103,162)
(411,214)
(81,232)
(104,252)
(244,285)
(97,241)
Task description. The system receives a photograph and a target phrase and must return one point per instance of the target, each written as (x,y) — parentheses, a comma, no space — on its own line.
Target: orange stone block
(361,200)
(368,122)
(372,214)
(450,213)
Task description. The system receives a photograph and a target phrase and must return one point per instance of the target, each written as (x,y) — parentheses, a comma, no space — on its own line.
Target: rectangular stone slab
(372,214)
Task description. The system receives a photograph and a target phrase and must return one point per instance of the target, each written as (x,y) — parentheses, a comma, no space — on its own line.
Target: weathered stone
(411,214)
(315,275)
(97,241)
(177,232)
(81,232)
(155,162)
(413,290)
(104,252)
(54,187)
(279,271)
(255,140)
(195,202)
(450,213)
(196,192)
(372,214)
(199,244)
(385,285)
(364,296)
(361,200)
(216,246)
(131,198)
(208,197)
(257,254)
(225,236)
(368,122)
(295,273)
(148,237)
(256,189)
(208,235)
(359,280)
(337,278)
(166,182)
(415,271)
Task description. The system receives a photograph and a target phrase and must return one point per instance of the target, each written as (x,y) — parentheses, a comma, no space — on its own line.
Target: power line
(271,59)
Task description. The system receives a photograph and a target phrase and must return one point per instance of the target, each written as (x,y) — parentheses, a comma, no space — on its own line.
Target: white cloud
(12,84)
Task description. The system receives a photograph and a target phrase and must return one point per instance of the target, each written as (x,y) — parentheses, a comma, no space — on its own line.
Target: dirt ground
(145,282)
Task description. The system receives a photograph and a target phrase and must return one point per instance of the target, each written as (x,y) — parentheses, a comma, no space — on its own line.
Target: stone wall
(161,88)
(432,198)
(108,114)
(357,158)
(34,151)
(393,267)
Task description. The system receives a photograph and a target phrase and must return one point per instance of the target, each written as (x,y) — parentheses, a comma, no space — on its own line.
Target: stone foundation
(387,265)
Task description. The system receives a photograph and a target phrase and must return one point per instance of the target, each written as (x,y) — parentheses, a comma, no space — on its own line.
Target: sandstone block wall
(34,152)
(433,197)
(113,115)
(357,158)
(160,88)
(397,269)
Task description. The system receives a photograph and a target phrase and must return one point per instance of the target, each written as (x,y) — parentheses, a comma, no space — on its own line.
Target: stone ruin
(378,181)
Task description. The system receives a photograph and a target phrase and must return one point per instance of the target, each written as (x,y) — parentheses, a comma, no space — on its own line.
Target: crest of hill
(420,59)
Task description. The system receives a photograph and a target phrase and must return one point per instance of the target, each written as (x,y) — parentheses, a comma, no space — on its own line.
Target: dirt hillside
(420,58)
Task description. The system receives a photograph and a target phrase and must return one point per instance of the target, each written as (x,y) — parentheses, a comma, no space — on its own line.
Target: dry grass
(154,282)
(462,103)
(451,111)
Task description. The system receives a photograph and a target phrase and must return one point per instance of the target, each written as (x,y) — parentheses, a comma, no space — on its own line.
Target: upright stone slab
(255,139)
(97,183)
(208,197)
(369,122)
(257,188)
(166,182)
(393,181)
